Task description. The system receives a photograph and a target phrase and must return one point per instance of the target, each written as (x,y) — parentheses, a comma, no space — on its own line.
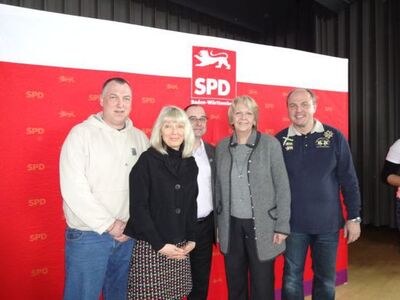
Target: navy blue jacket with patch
(319,166)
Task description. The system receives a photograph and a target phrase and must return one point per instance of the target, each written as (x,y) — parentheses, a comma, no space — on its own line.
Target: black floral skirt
(154,277)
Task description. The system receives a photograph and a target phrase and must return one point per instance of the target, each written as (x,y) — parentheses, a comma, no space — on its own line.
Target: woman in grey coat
(253,203)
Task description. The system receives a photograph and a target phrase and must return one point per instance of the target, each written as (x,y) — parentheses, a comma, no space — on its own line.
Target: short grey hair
(119,80)
(310,92)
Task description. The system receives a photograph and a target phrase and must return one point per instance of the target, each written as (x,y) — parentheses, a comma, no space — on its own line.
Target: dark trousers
(200,258)
(398,213)
(242,261)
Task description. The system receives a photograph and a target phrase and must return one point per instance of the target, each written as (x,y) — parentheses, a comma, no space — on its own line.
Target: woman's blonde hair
(250,104)
(174,114)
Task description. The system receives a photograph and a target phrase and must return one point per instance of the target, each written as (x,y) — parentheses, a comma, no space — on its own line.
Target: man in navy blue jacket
(320,166)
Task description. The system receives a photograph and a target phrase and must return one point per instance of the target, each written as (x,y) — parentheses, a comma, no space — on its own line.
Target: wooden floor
(374,267)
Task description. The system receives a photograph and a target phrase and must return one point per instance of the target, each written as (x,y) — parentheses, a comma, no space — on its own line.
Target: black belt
(200,220)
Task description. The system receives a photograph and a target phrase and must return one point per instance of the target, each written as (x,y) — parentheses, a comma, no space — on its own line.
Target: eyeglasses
(200,120)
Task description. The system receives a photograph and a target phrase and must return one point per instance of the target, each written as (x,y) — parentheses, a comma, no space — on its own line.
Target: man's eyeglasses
(200,120)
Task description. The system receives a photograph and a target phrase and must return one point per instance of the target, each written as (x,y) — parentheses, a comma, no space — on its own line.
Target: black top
(389,168)
(162,204)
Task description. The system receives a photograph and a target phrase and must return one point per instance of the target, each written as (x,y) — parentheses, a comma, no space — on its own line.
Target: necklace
(241,167)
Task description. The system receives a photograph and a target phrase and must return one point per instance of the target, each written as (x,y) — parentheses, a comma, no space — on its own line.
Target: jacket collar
(168,159)
(252,141)
(318,127)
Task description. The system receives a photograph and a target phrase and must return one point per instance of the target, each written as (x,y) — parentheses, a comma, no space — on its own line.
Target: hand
(122,238)
(352,231)
(279,238)
(189,247)
(116,229)
(172,252)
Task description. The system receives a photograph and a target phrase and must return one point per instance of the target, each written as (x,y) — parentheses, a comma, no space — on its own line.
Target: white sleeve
(75,187)
(394,153)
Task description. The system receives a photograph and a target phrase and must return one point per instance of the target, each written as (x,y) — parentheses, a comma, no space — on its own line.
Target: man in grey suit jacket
(200,257)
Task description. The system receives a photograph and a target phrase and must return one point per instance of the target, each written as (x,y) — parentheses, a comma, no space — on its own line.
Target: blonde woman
(253,204)
(163,211)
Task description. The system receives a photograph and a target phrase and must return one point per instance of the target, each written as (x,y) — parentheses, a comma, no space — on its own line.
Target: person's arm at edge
(281,184)
(351,193)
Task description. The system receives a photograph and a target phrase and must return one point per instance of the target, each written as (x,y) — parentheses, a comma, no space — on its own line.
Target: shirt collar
(318,127)
(201,149)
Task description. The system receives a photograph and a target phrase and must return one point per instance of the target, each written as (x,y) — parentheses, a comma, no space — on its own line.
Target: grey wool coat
(269,193)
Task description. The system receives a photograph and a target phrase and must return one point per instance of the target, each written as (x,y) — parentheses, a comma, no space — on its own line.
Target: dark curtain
(367,32)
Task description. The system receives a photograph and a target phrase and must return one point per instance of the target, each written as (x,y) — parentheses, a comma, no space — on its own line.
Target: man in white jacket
(96,159)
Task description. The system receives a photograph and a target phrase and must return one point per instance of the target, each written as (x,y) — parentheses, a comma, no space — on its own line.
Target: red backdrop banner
(44,96)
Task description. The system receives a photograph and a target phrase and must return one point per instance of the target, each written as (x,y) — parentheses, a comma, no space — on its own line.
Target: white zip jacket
(95,163)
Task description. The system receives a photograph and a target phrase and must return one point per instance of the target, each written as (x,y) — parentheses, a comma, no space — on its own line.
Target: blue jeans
(95,263)
(323,249)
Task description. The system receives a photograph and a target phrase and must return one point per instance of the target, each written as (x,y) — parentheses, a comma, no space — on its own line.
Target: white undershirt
(394,157)
(204,199)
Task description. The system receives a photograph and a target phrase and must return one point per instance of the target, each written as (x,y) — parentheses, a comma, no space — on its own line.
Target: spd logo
(213,73)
